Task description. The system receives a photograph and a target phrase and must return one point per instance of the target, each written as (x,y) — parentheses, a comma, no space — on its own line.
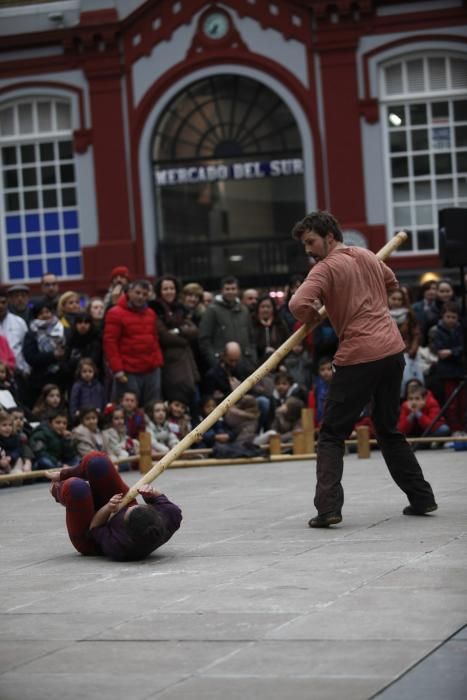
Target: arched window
(39,207)
(424,108)
(228,170)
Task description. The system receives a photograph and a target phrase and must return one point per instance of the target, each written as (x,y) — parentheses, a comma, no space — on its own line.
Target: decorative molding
(369,109)
(54,85)
(202,43)
(82,139)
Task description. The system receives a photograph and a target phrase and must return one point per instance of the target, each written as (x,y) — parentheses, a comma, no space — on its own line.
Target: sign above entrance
(252,170)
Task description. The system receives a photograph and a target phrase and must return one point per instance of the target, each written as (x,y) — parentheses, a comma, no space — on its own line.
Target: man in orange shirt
(353,285)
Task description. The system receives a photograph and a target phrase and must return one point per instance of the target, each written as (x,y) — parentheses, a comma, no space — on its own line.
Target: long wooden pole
(267,366)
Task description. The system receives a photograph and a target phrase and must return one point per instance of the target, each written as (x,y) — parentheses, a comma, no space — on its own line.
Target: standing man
(49,291)
(131,344)
(18,301)
(224,320)
(353,285)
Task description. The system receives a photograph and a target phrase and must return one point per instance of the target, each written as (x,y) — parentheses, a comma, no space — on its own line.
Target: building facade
(188,136)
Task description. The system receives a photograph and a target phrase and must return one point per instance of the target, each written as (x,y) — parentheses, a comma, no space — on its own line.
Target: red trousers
(90,487)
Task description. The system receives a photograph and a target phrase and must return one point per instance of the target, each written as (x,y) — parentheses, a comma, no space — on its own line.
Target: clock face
(216,25)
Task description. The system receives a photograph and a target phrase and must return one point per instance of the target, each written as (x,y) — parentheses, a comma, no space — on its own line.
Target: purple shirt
(115,542)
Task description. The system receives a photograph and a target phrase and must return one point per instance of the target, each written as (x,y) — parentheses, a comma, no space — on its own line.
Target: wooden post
(308,425)
(363,441)
(267,366)
(275,444)
(298,442)
(145,456)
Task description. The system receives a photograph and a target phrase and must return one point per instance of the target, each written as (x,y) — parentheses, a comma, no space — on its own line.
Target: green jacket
(221,323)
(45,442)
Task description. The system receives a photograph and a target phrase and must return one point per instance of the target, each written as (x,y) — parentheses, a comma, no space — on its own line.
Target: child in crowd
(298,364)
(13,459)
(87,390)
(50,400)
(7,383)
(284,386)
(52,443)
(288,418)
(447,342)
(87,435)
(242,420)
(178,418)
(418,412)
(23,430)
(117,442)
(219,432)
(162,438)
(134,416)
(317,396)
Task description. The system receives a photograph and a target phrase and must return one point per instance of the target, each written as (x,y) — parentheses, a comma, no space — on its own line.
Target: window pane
(65,150)
(67,173)
(396,115)
(441,137)
(44,115)
(462,186)
(400,167)
(10,179)
(48,175)
(31,200)
(426,240)
(421,165)
(28,154)
(420,139)
(49,198)
(398,141)
(415,76)
(423,215)
(29,177)
(401,192)
(63,116)
(444,189)
(7,123)
(408,244)
(440,110)
(437,73)
(423,190)
(393,75)
(68,197)
(460,111)
(418,114)
(459,73)
(25,119)
(402,216)
(461,136)
(12,202)
(443,164)
(47,151)
(461,162)
(9,155)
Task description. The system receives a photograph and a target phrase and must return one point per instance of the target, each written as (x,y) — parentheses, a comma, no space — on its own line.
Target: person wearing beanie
(91,494)
(119,280)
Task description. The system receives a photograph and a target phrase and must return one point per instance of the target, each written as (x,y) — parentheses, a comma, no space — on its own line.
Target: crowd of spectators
(90,374)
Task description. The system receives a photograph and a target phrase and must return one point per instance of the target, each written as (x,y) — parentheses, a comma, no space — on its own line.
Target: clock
(216,25)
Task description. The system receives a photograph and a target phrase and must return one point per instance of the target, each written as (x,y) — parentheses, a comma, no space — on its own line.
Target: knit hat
(120,271)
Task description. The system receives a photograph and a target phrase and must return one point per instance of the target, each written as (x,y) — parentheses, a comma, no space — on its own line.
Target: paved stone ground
(245,601)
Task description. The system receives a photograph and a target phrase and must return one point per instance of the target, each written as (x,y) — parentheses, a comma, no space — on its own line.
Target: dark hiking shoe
(325,520)
(421,510)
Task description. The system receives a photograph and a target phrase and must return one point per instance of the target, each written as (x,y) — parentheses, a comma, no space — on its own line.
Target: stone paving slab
(245,601)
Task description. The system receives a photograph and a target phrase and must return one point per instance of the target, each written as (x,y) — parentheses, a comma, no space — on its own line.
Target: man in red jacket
(131,344)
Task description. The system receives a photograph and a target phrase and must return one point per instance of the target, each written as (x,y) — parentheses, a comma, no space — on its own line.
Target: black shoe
(325,520)
(421,510)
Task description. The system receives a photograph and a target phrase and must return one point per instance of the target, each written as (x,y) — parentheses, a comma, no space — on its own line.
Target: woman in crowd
(67,308)
(270,330)
(176,333)
(425,310)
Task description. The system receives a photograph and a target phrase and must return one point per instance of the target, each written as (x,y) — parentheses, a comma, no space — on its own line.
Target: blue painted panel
(16,270)
(35,268)
(51,222)
(52,244)
(32,222)
(72,243)
(54,265)
(33,245)
(14,247)
(13,224)
(70,219)
(73,266)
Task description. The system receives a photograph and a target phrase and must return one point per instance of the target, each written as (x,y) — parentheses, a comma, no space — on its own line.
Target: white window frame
(65,235)
(408,98)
